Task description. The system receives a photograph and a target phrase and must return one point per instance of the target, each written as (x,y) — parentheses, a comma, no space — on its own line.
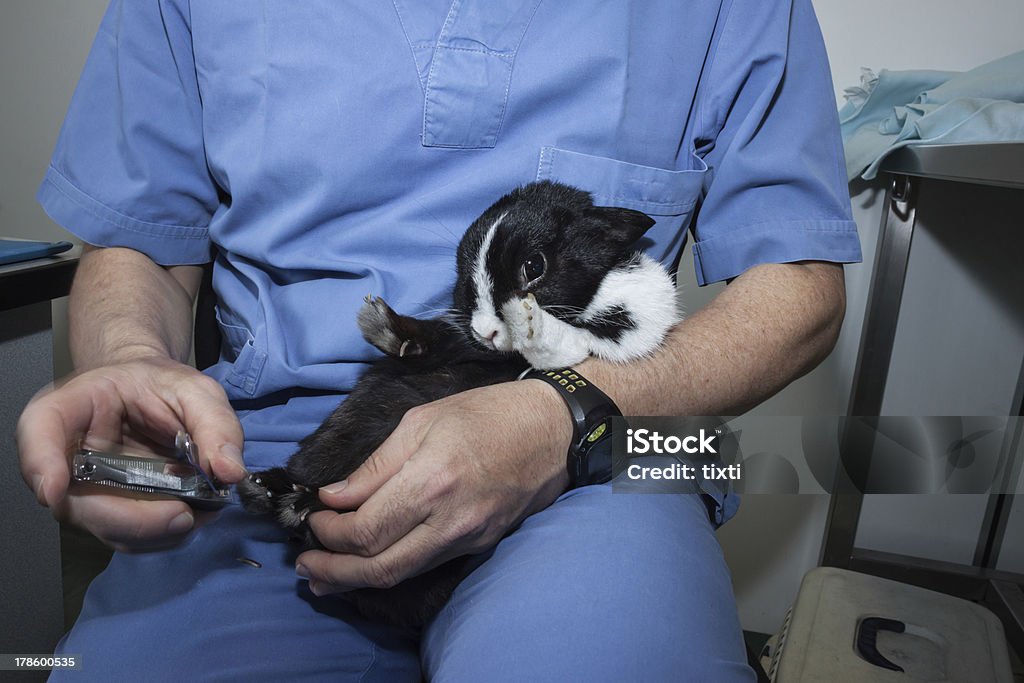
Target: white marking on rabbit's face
(488,328)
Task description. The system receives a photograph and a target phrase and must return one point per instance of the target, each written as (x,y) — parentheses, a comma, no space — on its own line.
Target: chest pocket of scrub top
(238,347)
(466,69)
(667,196)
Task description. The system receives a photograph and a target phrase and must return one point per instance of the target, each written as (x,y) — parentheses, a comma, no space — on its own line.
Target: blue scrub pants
(600,586)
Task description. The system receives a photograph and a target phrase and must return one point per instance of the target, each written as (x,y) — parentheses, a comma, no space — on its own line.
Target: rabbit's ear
(621,226)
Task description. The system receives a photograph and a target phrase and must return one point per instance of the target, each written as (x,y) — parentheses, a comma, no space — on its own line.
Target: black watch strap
(590,453)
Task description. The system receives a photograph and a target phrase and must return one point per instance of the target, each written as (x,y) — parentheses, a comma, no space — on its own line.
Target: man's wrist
(588,457)
(556,422)
(128,353)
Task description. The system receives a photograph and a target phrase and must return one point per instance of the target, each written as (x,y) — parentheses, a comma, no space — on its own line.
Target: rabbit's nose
(489,330)
(488,336)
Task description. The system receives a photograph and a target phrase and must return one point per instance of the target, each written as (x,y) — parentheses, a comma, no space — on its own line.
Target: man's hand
(454,477)
(130,403)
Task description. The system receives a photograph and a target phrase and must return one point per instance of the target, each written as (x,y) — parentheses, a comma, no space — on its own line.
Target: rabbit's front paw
(546,342)
(260,492)
(295,506)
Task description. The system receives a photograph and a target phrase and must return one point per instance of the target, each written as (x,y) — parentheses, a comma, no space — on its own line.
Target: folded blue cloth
(899,108)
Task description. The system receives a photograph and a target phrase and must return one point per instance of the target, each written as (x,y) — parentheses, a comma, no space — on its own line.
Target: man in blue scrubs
(319,151)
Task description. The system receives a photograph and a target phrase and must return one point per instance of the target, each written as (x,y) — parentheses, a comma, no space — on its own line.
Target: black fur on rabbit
(544,279)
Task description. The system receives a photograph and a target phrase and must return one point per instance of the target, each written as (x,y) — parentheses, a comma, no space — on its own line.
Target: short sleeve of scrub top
(129,168)
(766,128)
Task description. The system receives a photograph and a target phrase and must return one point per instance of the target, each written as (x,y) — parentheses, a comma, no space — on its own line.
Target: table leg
(877,337)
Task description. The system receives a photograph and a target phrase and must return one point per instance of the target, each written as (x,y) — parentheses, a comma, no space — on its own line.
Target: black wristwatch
(590,452)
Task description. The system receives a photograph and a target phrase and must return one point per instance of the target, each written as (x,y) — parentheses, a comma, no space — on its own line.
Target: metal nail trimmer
(181,477)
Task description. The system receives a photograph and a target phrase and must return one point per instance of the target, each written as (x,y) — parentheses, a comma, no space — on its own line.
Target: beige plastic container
(943,639)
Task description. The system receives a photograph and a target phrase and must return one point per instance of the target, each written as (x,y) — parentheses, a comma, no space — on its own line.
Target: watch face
(597,432)
(594,456)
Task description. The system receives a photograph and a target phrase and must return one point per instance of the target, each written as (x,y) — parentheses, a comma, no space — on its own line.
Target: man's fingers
(127,523)
(49,428)
(214,428)
(330,572)
(43,448)
(391,513)
(106,428)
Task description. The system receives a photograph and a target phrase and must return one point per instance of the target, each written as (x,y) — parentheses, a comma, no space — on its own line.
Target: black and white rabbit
(544,279)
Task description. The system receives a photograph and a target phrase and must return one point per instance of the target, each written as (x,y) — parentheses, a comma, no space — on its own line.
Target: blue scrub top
(320,151)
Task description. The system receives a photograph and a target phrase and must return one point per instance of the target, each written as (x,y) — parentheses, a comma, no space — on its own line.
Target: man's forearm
(125,306)
(771,325)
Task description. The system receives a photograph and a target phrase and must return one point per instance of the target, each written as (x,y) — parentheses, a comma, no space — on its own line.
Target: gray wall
(774,540)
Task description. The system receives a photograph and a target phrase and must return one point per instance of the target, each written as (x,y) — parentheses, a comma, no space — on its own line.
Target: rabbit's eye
(533,268)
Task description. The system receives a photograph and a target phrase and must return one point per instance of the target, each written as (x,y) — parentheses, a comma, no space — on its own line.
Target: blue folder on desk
(13,251)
